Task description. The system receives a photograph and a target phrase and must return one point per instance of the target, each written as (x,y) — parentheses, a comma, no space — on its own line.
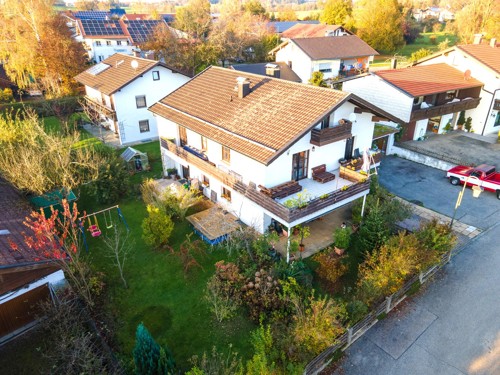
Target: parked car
(486,177)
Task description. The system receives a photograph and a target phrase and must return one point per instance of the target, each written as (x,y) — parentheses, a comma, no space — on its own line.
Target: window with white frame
(204,143)
(100,57)
(325,67)
(98,43)
(140,101)
(118,42)
(144,126)
(156,75)
(108,42)
(226,154)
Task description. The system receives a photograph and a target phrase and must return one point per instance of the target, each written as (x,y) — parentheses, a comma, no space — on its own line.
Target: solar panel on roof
(140,30)
(101,27)
(92,15)
(99,68)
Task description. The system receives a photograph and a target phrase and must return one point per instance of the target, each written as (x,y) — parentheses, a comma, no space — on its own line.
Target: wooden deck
(214,224)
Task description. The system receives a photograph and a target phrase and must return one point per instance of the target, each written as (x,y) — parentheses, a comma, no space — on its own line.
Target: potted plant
(461,120)
(294,247)
(171,171)
(468,124)
(342,239)
(303,232)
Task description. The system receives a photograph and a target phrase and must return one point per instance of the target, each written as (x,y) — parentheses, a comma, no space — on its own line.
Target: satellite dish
(352,117)
(467,74)
(134,64)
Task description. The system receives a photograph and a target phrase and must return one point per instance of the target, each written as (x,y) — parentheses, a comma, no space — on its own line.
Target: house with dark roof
(120,88)
(425,97)
(308,30)
(26,278)
(280,27)
(259,145)
(481,61)
(102,38)
(334,56)
(276,70)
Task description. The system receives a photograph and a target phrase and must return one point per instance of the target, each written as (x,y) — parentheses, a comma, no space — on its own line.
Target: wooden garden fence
(356,331)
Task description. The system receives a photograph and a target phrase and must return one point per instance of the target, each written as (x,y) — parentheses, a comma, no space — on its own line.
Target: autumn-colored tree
(317,79)
(188,251)
(33,41)
(477,16)
(38,161)
(336,12)
(378,23)
(194,18)
(254,7)
(58,239)
(287,14)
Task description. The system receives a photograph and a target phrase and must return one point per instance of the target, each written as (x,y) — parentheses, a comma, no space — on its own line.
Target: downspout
(491,106)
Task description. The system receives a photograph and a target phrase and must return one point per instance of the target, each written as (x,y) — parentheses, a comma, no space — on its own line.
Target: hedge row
(45,108)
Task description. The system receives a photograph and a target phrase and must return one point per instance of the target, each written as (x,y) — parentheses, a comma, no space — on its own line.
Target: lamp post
(476,191)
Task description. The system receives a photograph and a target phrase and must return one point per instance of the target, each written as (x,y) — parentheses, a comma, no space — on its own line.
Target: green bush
(157,228)
(112,183)
(45,108)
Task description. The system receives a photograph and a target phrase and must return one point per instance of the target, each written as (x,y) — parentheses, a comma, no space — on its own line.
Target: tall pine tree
(149,357)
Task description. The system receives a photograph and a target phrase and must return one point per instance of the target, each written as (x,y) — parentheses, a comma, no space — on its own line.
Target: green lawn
(170,305)
(422,42)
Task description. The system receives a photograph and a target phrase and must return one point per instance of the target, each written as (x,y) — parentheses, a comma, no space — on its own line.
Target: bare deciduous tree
(119,248)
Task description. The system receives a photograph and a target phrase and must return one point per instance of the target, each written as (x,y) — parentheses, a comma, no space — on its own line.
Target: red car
(486,177)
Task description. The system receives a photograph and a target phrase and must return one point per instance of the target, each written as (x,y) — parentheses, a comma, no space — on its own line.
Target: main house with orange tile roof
(119,90)
(425,97)
(481,61)
(256,142)
(334,56)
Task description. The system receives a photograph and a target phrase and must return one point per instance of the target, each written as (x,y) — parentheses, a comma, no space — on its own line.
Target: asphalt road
(453,325)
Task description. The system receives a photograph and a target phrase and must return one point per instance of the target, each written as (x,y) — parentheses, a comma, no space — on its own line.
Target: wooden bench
(282,190)
(320,174)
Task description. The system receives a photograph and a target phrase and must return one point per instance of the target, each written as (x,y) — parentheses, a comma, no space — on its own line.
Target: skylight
(99,68)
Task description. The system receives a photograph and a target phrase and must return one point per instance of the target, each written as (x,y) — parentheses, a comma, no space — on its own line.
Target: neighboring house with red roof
(25,276)
(306,30)
(334,56)
(254,143)
(426,98)
(120,88)
(481,61)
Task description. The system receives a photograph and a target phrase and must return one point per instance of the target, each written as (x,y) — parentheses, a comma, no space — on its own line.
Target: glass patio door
(300,162)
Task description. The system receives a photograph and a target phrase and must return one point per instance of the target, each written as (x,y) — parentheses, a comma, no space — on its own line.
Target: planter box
(350,175)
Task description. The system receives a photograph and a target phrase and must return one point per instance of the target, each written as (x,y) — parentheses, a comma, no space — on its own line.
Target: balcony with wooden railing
(287,215)
(444,109)
(321,137)
(100,108)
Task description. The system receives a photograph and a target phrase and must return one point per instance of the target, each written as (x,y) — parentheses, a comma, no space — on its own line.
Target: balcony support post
(363,206)
(289,233)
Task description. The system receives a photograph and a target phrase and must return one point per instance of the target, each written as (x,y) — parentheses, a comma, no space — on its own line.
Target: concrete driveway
(420,184)
(453,326)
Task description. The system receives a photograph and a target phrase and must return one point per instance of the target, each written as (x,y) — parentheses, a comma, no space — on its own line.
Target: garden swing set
(93,224)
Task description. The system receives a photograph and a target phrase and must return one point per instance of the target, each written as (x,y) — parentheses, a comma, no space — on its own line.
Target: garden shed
(136,160)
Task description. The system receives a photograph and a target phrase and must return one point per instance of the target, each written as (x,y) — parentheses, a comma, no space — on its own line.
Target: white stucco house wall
(344,55)
(424,98)
(240,134)
(120,89)
(481,61)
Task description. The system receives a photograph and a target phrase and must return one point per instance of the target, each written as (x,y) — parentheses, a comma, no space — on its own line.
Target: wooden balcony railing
(444,109)
(252,193)
(100,108)
(321,137)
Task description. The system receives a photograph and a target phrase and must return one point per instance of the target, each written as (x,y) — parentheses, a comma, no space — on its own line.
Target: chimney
(394,63)
(478,38)
(273,70)
(150,55)
(136,53)
(243,87)
(493,42)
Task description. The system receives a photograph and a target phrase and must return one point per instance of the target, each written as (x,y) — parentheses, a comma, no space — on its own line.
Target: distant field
(301,14)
